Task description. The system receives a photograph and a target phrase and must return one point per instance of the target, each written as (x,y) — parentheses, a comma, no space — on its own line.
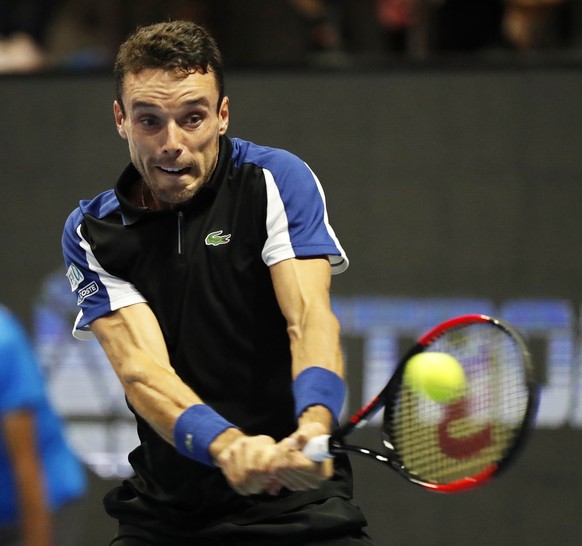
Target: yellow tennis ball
(438,376)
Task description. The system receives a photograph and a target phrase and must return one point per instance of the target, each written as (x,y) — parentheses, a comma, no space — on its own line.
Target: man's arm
(302,288)
(133,342)
(18,429)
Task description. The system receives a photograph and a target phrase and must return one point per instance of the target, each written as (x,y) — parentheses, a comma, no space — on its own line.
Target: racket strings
(442,443)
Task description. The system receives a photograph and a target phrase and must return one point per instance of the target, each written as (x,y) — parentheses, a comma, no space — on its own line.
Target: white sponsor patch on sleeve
(87,291)
(75,277)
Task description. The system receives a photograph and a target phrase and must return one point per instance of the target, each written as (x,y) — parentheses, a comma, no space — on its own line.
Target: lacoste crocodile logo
(216,238)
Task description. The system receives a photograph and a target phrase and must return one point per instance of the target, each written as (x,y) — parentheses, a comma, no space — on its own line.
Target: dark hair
(180,47)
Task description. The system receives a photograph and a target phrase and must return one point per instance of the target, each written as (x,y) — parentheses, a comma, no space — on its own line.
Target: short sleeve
(97,291)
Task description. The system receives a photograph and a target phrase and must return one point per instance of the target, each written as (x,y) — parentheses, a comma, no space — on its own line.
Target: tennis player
(205,275)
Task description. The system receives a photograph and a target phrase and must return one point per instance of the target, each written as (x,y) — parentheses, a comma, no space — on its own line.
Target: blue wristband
(317,386)
(195,429)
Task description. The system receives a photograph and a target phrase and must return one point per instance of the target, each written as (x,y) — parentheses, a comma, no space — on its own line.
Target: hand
(247,464)
(292,469)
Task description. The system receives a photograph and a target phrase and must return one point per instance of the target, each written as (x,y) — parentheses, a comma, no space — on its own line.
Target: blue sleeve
(97,291)
(297,219)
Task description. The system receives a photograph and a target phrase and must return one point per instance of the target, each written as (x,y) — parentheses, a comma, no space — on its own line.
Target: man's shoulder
(100,206)
(105,203)
(268,157)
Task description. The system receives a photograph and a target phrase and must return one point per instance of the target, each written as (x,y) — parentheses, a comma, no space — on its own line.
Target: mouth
(174,171)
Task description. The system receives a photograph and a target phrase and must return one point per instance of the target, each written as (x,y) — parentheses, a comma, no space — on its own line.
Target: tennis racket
(456,446)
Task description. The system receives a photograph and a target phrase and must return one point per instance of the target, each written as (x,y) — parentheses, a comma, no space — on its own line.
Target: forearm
(173,410)
(136,349)
(315,340)
(133,343)
(302,288)
(159,396)
(34,514)
(35,521)
(317,366)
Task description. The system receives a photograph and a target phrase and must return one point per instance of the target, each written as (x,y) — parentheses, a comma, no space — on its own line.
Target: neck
(142,195)
(147,200)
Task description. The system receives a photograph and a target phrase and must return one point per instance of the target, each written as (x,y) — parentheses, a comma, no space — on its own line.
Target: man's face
(172,127)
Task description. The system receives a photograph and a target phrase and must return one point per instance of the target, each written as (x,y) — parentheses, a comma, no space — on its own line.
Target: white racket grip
(317,449)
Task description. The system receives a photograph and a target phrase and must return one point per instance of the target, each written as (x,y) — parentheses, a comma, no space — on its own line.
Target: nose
(173,141)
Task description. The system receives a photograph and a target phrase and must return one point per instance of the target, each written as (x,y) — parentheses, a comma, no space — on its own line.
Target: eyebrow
(192,102)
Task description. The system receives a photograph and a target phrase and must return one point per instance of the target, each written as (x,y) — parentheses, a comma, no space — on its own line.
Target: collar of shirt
(132,213)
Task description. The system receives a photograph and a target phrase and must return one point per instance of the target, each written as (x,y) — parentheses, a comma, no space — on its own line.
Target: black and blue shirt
(203,268)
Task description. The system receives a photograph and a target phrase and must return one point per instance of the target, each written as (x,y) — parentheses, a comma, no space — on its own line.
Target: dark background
(456,182)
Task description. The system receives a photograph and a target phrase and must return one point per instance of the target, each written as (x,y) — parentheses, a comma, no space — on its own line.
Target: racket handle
(317,449)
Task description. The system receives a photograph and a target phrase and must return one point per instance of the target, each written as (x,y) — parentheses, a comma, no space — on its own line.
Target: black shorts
(332,522)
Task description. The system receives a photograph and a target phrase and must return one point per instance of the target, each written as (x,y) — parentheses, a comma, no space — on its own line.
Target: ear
(223,116)
(119,119)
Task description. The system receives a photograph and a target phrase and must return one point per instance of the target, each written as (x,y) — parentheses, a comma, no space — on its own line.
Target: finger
(273,486)
(297,472)
(298,482)
(289,444)
(298,478)
(246,464)
(233,462)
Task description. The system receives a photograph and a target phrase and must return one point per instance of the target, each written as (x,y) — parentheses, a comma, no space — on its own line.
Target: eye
(193,119)
(147,121)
